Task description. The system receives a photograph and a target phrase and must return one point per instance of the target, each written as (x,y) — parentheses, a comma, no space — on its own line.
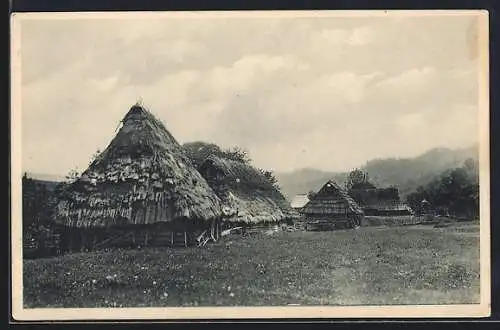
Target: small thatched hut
(332,207)
(383,206)
(140,187)
(427,210)
(254,201)
(380,201)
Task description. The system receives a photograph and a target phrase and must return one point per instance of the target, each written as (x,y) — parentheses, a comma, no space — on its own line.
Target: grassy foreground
(405,265)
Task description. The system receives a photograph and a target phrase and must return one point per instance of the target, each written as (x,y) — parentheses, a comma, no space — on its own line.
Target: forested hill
(405,173)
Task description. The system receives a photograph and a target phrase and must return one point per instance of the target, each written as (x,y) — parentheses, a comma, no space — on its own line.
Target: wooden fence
(373,221)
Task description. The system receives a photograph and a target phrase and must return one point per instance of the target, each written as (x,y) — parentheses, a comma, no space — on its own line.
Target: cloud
(412,80)
(325,93)
(362,36)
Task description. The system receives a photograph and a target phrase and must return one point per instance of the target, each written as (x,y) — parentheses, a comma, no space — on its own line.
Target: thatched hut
(427,210)
(254,201)
(332,207)
(380,201)
(141,187)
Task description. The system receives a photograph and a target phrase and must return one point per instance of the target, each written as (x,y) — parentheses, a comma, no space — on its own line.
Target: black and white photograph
(299,164)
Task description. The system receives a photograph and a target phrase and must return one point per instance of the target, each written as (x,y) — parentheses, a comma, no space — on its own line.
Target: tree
(95,156)
(35,203)
(198,151)
(72,176)
(269,175)
(454,191)
(470,164)
(358,178)
(237,154)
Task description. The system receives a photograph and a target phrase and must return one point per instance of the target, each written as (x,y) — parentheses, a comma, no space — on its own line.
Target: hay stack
(246,192)
(142,178)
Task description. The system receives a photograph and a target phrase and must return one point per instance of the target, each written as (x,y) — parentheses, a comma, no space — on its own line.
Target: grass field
(404,265)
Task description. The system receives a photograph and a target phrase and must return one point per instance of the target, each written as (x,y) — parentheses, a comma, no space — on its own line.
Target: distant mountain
(45,177)
(304,180)
(405,173)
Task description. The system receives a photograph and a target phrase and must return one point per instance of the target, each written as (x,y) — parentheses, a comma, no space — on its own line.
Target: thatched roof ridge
(245,190)
(332,199)
(142,177)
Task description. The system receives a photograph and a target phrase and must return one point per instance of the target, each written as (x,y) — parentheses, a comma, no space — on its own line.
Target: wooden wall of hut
(178,233)
(386,213)
(251,228)
(261,228)
(319,222)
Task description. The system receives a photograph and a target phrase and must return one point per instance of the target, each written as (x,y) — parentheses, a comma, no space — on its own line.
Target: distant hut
(141,187)
(331,208)
(384,202)
(246,193)
(427,210)
(299,201)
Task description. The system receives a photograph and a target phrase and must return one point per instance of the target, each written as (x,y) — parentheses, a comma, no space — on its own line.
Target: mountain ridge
(45,177)
(406,173)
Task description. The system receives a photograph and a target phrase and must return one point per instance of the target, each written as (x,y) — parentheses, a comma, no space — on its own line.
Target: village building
(380,201)
(382,206)
(141,190)
(427,210)
(247,194)
(332,207)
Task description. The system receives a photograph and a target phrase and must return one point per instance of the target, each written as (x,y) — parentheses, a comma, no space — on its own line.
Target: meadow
(371,265)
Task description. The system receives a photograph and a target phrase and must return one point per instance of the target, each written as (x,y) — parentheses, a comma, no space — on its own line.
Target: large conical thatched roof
(142,177)
(245,190)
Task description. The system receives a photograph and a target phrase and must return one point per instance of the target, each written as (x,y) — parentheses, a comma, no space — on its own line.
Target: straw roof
(382,199)
(299,201)
(332,199)
(244,190)
(142,177)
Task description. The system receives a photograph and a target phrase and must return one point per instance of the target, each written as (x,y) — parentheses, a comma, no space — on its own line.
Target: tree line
(39,199)
(455,192)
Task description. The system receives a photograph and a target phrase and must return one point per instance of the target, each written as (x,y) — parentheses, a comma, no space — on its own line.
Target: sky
(310,92)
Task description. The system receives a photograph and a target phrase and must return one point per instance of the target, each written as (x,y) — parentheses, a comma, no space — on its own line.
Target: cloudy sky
(328,93)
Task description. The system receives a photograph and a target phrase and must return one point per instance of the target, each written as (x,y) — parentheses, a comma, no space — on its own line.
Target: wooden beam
(212,230)
(217,229)
(70,241)
(172,237)
(113,238)
(82,241)
(185,232)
